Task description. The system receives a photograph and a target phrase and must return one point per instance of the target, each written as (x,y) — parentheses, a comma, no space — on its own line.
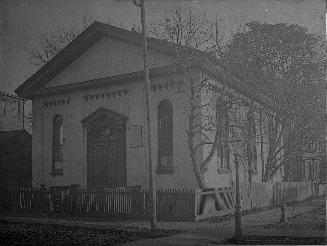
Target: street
(22,233)
(313,220)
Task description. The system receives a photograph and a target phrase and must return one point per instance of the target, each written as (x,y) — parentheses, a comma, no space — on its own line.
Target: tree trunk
(199,178)
(267,176)
(198,174)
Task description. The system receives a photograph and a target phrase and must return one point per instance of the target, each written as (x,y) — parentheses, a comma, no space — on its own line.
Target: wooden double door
(107,156)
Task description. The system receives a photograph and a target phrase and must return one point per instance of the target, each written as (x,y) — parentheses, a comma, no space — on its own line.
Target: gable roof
(7,135)
(84,41)
(97,30)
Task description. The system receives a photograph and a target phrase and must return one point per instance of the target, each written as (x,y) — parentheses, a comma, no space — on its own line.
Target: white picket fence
(221,201)
(259,195)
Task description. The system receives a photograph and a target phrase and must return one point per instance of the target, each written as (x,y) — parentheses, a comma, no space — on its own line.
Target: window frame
(222,124)
(18,113)
(167,168)
(57,135)
(3,108)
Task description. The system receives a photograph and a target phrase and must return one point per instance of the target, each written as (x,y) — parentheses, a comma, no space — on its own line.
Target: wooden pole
(238,225)
(152,177)
(23,114)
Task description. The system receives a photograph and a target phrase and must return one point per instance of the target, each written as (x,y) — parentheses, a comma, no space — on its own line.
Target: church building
(89,115)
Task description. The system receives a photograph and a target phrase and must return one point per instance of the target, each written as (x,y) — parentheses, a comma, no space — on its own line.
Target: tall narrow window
(58,143)
(2,107)
(18,109)
(222,125)
(165,137)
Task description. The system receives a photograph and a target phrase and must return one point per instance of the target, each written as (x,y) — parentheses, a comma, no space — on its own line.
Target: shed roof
(7,135)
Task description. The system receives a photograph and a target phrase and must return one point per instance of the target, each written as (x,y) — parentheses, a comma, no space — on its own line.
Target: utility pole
(152,177)
(238,225)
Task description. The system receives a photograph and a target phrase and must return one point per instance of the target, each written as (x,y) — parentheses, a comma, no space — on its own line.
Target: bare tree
(182,27)
(50,43)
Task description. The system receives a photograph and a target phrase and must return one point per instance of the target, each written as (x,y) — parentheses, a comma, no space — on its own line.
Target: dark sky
(22,21)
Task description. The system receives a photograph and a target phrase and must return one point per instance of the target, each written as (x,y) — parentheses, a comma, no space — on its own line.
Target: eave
(238,86)
(100,82)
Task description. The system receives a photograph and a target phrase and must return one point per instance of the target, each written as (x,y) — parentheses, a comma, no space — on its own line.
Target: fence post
(238,224)
(197,194)
(44,199)
(274,187)
(7,203)
(283,217)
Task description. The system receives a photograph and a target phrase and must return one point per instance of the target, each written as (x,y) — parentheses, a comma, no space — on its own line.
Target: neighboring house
(88,115)
(309,165)
(15,142)
(15,158)
(11,112)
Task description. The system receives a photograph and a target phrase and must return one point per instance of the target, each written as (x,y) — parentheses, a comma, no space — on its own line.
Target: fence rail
(172,204)
(24,199)
(113,203)
(175,204)
(259,195)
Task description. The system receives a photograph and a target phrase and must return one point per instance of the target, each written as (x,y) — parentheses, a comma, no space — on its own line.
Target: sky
(23,21)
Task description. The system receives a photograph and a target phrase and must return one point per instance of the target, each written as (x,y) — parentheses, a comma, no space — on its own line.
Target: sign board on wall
(135,136)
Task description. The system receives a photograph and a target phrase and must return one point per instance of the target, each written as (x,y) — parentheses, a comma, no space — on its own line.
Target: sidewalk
(254,224)
(203,233)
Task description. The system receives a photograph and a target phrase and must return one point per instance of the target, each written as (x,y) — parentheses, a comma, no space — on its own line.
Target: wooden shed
(15,158)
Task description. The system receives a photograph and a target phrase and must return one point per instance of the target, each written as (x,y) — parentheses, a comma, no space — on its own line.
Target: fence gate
(57,196)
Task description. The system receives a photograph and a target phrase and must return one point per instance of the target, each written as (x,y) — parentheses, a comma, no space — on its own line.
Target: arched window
(58,143)
(222,125)
(165,137)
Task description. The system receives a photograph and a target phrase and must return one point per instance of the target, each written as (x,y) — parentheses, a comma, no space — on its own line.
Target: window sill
(57,172)
(224,170)
(165,170)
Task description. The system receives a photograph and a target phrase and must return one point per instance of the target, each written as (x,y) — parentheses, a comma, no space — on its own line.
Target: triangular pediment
(106,58)
(102,115)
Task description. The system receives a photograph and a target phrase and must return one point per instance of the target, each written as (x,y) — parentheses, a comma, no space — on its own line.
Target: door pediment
(101,117)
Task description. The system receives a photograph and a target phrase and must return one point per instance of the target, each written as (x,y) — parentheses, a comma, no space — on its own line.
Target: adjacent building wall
(16,159)
(214,175)
(11,112)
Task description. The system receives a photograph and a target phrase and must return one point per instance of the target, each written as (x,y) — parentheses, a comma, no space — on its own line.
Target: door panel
(106,160)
